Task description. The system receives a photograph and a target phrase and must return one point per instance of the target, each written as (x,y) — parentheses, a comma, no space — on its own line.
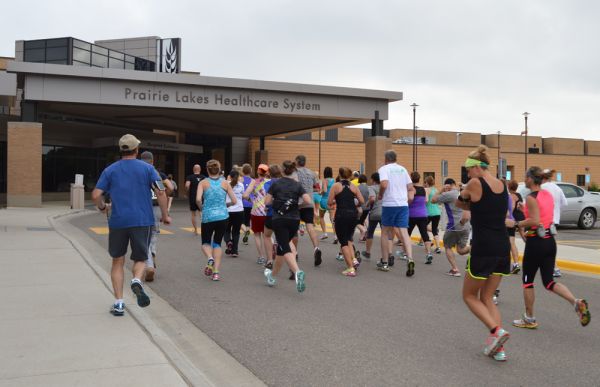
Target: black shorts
(344,229)
(194,206)
(247,211)
(212,233)
(483,267)
(435,224)
(540,253)
(307,215)
(269,222)
(285,230)
(137,237)
(511,231)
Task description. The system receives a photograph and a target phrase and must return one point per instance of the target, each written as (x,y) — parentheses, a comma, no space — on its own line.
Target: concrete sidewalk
(56,329)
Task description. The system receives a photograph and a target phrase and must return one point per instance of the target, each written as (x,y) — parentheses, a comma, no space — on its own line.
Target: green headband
(474,163)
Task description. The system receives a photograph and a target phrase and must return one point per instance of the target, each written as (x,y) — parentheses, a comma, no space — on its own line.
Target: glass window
(331,135)
(568,190)
(35,55)
(116,64)
(100,50)
(81,55)
(56,53)
(81,44)
(129,58)
(129,66)
(117,55)
(34,44)
(63,61)
(581,180)
(99,60)
(62,42)
(77,63)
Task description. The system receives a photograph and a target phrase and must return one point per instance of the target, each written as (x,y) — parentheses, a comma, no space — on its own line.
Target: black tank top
(490,236)
(344,201)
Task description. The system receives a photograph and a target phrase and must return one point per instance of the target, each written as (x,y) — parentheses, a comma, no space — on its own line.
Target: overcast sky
(471,65)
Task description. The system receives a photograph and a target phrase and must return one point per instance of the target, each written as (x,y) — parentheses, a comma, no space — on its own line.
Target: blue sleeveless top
(214,208)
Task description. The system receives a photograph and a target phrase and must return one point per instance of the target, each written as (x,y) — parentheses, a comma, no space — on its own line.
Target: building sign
(150,144)
(201,97)
(168,55)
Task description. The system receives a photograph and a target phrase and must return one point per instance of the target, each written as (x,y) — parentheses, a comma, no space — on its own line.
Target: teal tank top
(433,209)
(214,208)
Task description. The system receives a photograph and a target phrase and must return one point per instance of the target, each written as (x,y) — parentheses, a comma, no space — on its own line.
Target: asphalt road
(378,329)
(573,236)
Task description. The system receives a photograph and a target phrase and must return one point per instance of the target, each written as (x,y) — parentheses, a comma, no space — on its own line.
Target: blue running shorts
(394,217)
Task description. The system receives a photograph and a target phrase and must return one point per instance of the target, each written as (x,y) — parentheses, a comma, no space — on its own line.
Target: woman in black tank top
(346,217)
(487,199)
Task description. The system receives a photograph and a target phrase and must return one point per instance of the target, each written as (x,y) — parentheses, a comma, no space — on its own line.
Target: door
(574,195)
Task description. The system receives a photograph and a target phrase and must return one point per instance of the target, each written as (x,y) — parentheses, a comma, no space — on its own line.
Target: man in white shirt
(396,191)
(559,201)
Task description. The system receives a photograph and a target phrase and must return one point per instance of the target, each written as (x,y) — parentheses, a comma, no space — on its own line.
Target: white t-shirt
(396,193)
(238,190)
(559,198)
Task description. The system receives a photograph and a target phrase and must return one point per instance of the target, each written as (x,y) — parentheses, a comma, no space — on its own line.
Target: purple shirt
(247,181)
(418,207)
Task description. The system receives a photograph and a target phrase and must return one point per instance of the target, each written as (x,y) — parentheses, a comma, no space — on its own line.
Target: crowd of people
(483,217)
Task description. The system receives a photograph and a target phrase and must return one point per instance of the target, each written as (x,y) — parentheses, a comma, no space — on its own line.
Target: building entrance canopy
(194,103)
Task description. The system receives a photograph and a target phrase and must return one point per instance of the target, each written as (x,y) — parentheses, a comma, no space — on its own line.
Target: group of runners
(483,216)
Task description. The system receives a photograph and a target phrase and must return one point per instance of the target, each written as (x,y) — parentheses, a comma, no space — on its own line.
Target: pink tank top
(545,202)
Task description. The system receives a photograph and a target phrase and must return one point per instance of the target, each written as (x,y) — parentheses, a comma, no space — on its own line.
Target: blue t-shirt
(128,181)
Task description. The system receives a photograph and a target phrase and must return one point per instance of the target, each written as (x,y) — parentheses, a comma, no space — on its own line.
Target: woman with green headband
(487,199)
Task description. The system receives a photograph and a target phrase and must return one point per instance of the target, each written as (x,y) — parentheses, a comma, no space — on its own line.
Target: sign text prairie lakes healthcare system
(241,100)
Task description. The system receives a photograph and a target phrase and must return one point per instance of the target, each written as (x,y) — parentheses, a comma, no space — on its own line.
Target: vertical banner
(168,54)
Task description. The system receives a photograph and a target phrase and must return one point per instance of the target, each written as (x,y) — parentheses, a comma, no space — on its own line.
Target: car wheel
(587,219)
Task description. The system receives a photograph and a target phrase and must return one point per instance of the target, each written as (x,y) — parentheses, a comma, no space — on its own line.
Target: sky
(470,65)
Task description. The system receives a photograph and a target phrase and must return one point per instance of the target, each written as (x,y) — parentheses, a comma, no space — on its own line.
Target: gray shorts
(456,238)
(137,237)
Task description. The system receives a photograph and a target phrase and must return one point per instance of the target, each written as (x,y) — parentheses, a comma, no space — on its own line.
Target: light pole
(414,106)
(499,159)
(526,133)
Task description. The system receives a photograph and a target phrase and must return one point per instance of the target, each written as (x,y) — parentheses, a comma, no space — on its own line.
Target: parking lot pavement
(375,329)
(573,236)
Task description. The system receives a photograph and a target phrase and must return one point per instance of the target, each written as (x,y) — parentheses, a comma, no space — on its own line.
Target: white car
(582,206)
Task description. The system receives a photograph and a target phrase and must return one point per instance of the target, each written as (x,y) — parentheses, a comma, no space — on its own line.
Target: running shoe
(438,250)
(318,254)
(301,230)
(340,257)
(429,259)
(269,265)
(383,266)
(500,355)
(210,267)
(582,309)
(515,269)
(496,297)
(391,259)
(421,243)
(216,277)
(410,268)
(324,236)
(142,298)
(229,248)
(269,277)
(453,273)
(245,238)
(261,260)
(150,272)
(356,254)
(495,342)
(366,255)
(557,273)
(235,255)
(300,286)
(118,309)
(525,322)
(349,272)
(355,264)
(335,241)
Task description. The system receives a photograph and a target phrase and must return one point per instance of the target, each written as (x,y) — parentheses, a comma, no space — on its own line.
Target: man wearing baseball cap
(128,181)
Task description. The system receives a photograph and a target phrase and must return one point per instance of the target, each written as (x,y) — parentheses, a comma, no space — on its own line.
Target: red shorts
(257,223)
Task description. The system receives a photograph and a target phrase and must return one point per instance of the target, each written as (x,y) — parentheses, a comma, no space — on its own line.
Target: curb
(189,350)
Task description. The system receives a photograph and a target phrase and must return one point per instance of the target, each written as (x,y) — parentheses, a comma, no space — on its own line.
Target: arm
(268,199)
(163,203)
(358,195)
(169,186)
(410,189)
(248,191)
(227,187)
(382,187)
(187,187)
(466,216)
(199,194)
(306,198)
(98,200)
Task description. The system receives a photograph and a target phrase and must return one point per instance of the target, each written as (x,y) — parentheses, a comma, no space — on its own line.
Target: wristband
(461,199)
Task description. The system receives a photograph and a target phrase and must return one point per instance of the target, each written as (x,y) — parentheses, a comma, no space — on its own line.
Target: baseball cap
(128,142)
(263,167)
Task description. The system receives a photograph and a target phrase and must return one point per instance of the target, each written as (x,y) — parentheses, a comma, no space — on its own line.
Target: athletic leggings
(421,223)
(540,253)
(372,226)
(285,230)
(232,233)
(435,223)
(344,229)
(212,233)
